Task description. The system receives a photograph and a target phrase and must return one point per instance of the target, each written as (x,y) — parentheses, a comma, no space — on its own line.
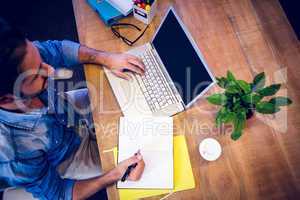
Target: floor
(45,20)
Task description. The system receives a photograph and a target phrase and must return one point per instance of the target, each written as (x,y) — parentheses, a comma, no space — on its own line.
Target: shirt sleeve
(59,53)
(41,179)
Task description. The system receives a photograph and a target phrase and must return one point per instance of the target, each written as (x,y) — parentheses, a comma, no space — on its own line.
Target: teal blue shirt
(33,144)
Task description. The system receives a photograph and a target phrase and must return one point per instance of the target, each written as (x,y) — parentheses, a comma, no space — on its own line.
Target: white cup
(210,149)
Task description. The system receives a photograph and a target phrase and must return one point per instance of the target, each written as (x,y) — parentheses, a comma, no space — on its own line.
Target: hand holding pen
(130,169)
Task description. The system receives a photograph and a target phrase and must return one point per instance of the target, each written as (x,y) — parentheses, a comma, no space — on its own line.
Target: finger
(137,62)
(122,75)
(138,152)
(46,70)
(132,160)
(134,68)
(137,172)
(139,156)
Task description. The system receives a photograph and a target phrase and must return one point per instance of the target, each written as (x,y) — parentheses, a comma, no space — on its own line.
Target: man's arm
(67,54)
(86,188)
(118,63)
(88,55)
(41,178)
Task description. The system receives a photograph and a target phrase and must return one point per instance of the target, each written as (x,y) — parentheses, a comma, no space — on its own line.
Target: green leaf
(258,81)
(228,117)
(252,98)
(217,99)
(224,116)
(266,108)
(219,117)
(232,88)
(235,100)
(222,82)
(270,90)
(237,107)
(244,86)
(238,125)
(230,76)
(280,101)
(236,135)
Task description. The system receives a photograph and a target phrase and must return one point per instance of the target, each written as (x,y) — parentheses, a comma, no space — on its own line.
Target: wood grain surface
(247,37)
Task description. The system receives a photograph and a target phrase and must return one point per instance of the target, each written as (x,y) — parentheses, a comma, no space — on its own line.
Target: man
(33,143)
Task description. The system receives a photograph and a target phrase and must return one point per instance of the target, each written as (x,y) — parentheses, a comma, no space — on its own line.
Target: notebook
(153,136)
(124,6)
(183,174)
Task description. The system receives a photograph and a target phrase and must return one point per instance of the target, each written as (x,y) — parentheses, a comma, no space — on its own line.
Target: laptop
(176,74)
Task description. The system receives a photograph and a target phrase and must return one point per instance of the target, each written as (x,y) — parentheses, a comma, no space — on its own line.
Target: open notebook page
(153,136)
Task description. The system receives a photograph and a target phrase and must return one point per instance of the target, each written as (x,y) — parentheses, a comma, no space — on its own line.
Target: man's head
(20,60)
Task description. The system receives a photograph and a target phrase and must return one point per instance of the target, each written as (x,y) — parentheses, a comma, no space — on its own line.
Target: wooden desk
(246,37)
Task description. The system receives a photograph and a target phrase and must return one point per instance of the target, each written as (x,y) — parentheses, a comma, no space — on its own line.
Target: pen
(129,169)
(127,172)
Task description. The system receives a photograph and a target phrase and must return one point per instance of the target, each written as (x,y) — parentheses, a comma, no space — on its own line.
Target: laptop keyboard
(154,87)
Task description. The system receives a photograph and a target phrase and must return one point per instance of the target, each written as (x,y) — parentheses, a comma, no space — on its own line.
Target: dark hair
(12,52)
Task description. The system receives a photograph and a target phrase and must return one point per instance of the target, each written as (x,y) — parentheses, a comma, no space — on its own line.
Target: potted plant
(240,100)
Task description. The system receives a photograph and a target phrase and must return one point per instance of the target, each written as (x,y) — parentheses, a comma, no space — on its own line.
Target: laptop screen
(181,60)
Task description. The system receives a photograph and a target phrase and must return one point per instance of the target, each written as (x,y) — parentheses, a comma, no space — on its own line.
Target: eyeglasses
(127,41)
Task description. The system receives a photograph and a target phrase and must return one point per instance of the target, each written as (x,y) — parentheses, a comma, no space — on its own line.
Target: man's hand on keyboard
(120,63)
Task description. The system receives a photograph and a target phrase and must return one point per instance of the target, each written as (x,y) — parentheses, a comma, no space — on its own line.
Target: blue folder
(106,11)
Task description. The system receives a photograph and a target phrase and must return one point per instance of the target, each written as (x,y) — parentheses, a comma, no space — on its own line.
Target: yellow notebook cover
(183,174)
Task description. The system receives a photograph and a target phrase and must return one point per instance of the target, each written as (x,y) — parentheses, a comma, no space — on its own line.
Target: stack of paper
(153,136)
(124,6)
